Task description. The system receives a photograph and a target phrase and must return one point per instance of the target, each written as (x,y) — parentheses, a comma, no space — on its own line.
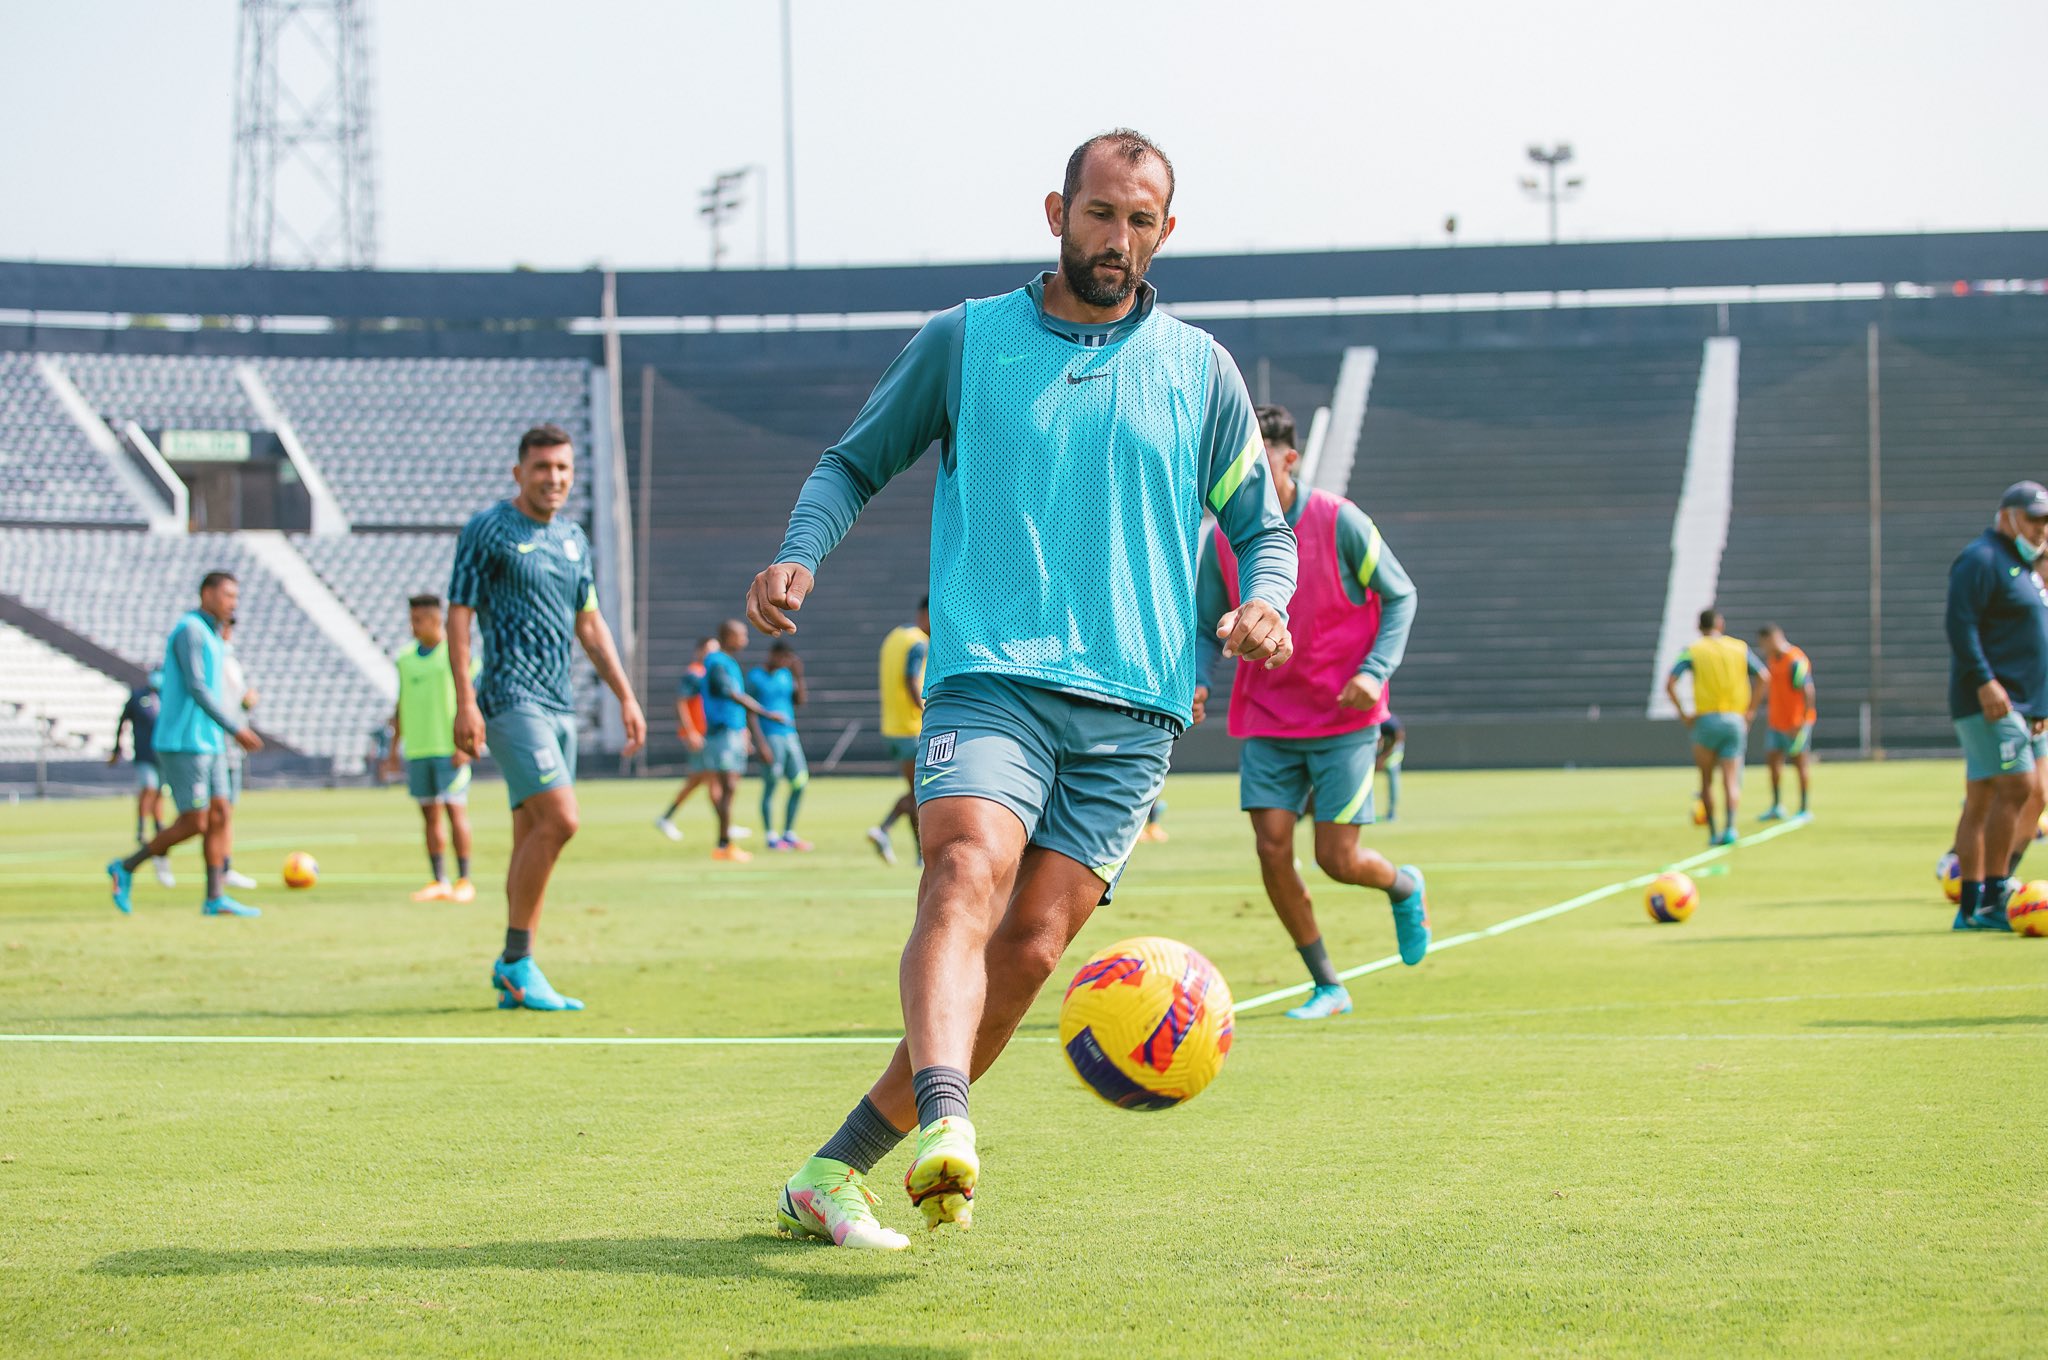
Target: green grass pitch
(1804,1123)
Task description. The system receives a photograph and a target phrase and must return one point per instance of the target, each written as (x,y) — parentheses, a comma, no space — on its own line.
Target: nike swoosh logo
(549,777)
(930,777)
(528,547)
(2013,571)
(1088,378)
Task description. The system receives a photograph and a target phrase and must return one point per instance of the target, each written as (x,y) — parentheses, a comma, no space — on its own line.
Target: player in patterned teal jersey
(1084,434)
(523,574)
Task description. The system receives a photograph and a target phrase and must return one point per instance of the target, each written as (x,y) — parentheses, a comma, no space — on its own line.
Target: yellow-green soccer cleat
(942,1174)
(829,1199)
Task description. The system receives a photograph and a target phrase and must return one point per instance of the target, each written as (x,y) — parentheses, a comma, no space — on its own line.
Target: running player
(728,712)
(138,720)
(436,773)
(1791,715)
(690,728)
(1393,749)
(1997,624)
(1724,703)
(778,687)
(1310,732)
(901,682)
(523,573)
(1083,433)
(193,727)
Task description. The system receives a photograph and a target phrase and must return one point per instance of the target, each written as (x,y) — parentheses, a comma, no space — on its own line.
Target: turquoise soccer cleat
(1325,1002)
(521,985)
(1773,813)
(1411,920)
(123,881)
(228,906)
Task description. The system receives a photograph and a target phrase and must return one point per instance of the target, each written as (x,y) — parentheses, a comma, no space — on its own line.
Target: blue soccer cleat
(123,881)
(1991,916)
(1411,920)
(1323,1002)
(522,985)
(227,906)
(1773,813)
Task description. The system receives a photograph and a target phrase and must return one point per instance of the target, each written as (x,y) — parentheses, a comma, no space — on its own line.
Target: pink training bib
(1332,638)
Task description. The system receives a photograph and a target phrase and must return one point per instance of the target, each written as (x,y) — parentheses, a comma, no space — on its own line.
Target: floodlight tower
(304,190)
(1549,190)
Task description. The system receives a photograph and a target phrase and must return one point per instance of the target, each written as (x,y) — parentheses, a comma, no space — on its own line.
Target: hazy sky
(552,134)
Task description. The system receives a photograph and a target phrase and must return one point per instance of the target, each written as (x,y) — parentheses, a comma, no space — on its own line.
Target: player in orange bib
(1791,717)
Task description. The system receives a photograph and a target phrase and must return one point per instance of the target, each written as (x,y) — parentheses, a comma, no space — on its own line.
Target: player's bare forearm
(460,619)
(596,637)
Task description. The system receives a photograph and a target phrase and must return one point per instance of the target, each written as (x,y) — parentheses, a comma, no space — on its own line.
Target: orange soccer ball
(301,870)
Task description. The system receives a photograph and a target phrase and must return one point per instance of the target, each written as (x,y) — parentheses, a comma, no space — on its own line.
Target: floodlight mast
(303,190)
(1550,191)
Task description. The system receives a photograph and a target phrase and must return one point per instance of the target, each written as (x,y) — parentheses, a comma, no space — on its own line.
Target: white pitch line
(1540,914)
(461,1040)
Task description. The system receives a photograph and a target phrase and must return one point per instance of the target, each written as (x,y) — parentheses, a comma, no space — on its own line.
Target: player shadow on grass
(1933,1022)
(753,1257)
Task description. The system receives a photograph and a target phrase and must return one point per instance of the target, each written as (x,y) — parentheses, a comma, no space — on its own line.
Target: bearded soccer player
(1791,712)
(194,726)
(1311,731)
(523,574)
(1083,432)
(436,774)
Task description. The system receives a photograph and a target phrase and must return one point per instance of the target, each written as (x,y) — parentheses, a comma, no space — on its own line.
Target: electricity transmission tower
(304,189)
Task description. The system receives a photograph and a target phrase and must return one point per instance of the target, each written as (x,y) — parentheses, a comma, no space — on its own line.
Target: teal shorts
(1285,772)
(1722,733)
(147,776)
(1794,743)
(1080,776)
(903,749)
(1991,749)
(437,779)
(536,749)
(236,760)
(196,778)
(725,751)
(787,763)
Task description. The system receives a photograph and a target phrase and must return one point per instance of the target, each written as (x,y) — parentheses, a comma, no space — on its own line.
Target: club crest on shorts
(939,749)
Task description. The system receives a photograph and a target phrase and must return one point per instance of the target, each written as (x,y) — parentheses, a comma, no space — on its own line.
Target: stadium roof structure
(468,296)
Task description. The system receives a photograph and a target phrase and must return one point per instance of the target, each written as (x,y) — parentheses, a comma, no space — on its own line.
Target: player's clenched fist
(777,593)
(1256,631)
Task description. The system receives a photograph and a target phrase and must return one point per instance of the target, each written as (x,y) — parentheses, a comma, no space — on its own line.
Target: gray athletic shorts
(1991,749)
(725,751)
(536,749)
(1725,734)
(1282,772)
(1081,776)
(788,764)
(437,779)
(196,778)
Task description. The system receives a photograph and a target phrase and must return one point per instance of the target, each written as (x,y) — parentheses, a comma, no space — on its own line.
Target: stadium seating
(1530,494)
(49,702)
(124,590)
(417,442)
(48,472)
(1799,535)
(161,391)
(732,450)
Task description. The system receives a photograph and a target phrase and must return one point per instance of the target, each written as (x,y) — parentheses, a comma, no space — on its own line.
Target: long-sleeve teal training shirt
(1367,563)
(917,403)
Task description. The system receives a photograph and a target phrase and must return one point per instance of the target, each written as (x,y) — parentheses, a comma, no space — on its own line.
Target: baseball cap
(2031,497)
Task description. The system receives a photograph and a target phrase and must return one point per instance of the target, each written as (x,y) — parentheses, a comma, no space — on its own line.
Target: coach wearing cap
(1998,696)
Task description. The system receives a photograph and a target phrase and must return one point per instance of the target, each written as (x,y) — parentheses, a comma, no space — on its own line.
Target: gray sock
(440,863)
(1319,966)
(518,944)
(136,860)
(864,1139)
(941,1091)
(1402,888)
(213,875)
(462,866)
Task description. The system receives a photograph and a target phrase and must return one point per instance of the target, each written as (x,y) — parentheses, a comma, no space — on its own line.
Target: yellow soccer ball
(1671,898)
(301,870)
(2027,909)
(1948,871)
(1699,811)
(1146,1023)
